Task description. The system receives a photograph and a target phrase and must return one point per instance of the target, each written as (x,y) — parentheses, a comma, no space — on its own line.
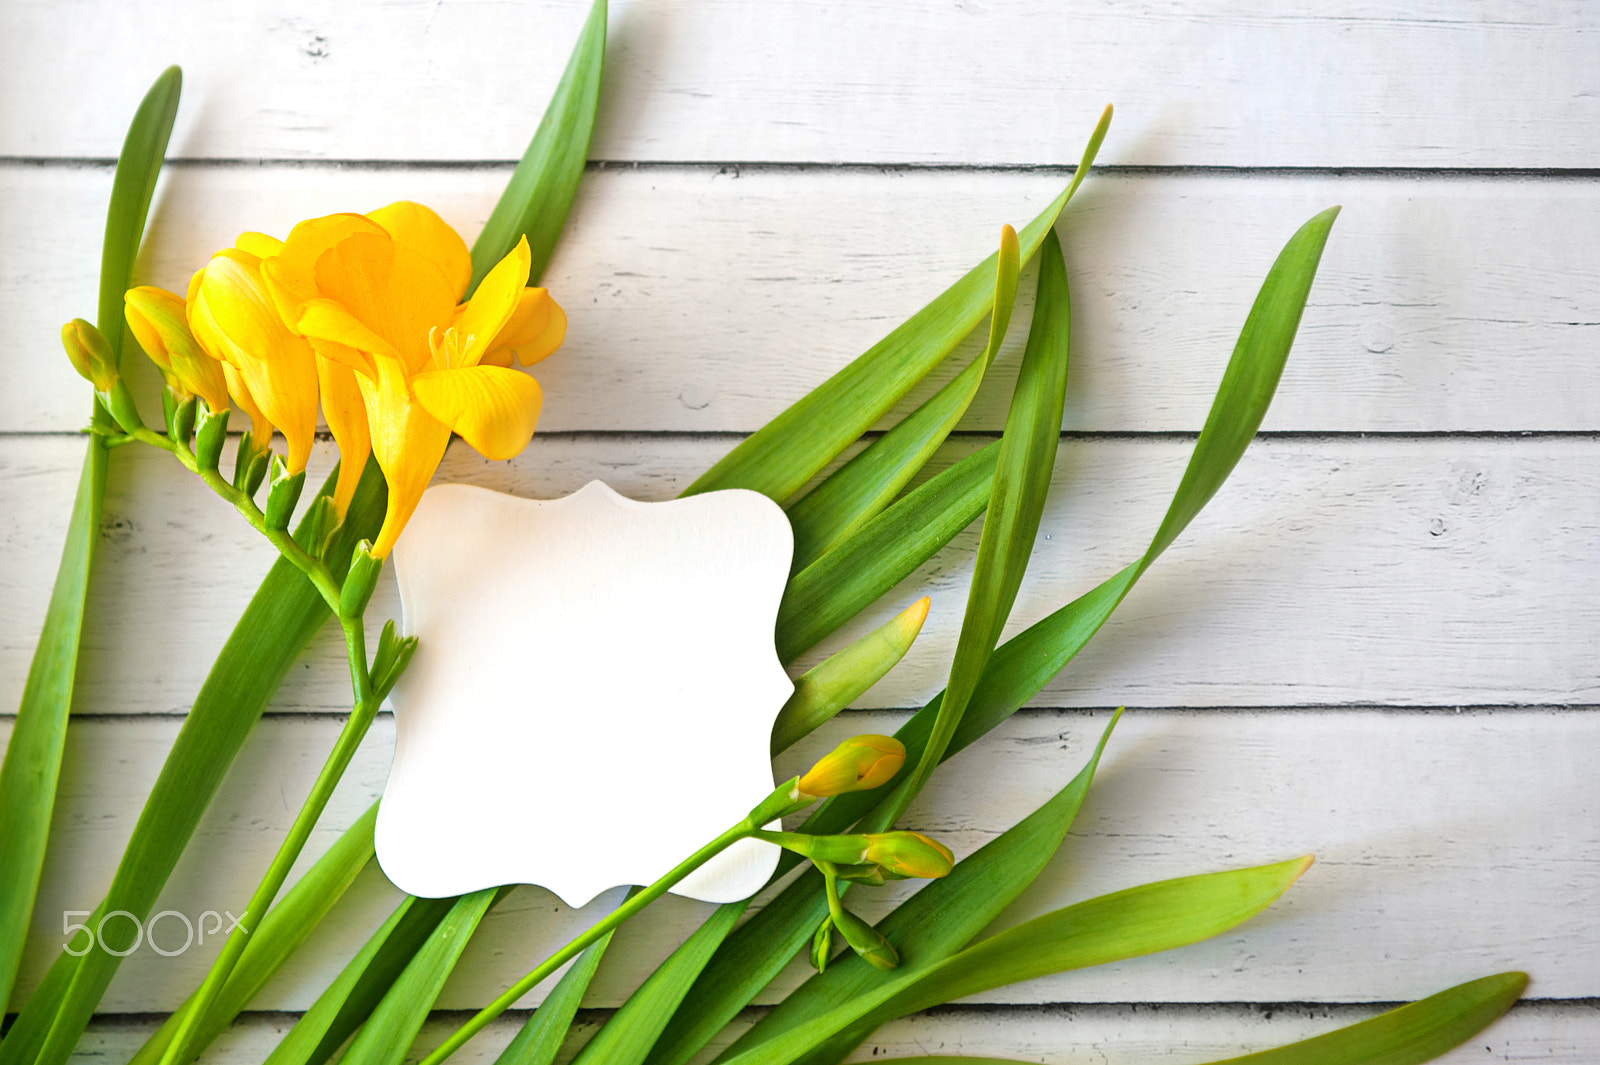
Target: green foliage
(388,1033)
(285,927)
(32,763)
(780,457)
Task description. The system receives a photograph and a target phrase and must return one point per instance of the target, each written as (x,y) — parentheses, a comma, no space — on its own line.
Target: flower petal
(276,365)
(394,290)
(493,408)
(491,307)
(418,228)
(327,321)
(346,414)
(536,329)
(407,441)
(258,244)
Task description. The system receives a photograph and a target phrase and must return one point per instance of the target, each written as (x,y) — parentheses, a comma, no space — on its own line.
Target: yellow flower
(271,371)
(857,764)
(378,296)
(159,321)
(90,354)
(909,854)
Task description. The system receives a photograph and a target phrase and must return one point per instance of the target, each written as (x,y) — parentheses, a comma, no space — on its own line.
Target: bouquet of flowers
(400,337)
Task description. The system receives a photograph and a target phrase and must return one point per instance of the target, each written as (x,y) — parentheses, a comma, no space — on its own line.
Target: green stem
(633,905)
(315,570)
(355,728)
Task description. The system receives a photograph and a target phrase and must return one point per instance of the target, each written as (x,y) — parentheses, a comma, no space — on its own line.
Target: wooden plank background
(1376,645)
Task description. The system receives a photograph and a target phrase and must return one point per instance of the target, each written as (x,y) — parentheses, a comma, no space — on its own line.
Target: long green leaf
(388,1033)
(1407,1035)
(285,927)
(1016,671)
(540,1039)
(351,997)
(32,763)
(630,1033)
(882,553)
(1124,924)
(780,457)
(1016,501)
(280,620)
(1023,665)
(868,482)
(941,918)
(539,195)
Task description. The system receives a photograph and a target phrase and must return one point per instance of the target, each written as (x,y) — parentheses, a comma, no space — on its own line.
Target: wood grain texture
(1308,641)
(1559,1033)
(1426,876)
(703,299)
(1243,83)
(1386,570)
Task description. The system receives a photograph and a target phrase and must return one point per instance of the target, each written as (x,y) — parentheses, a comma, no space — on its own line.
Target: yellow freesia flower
(159,321)
(271,370)
(380,295)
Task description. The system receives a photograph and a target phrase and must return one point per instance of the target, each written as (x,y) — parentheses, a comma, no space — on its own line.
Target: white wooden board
(702,299)
(1385,570)
(1242,83)
(1560,1034)
(1426,876)
(1336,603)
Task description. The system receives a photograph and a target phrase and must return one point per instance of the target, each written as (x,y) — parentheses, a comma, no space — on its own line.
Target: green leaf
(837,681)
(32,763)
(882,553)
(630,1033)
(782,456)
(311,1031)
(1023,665)
(285,927)
(280,620)
(1016,671)
(1011,520)
(388,1033)
(1408,1035)
(134,186)
(941,918)
(541,1037)
(539,195)
(868,482)
(1124,924)
(352,997)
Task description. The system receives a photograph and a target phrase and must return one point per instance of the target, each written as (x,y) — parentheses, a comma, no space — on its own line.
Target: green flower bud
(822,945)
(857,764)
(360,581)
(90,354)
(909,854)
(866,941)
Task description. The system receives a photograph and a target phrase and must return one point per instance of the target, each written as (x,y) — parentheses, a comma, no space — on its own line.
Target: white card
(593,691)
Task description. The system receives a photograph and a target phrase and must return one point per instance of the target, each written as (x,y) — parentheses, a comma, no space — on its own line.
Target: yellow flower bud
(90,353)
(158,320)
(909,854)
(857,764)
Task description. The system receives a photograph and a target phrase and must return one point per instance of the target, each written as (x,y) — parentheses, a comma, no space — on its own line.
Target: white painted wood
(1245,83)
(1559,1033)
(1444,572)
(1426,875)
(651,620)
(704,300)
(1385,570)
